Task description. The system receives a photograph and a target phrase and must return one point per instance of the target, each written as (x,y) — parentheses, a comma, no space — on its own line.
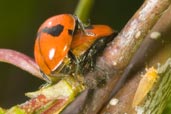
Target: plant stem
(126,94)
(83,10)
(121,50)
(118,54)
(20,60)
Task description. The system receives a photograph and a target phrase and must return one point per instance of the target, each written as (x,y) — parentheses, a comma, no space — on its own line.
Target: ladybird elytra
(53,42)
(59,37)
(82,42)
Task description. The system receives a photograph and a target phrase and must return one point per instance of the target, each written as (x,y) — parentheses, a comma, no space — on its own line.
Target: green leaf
(15,110)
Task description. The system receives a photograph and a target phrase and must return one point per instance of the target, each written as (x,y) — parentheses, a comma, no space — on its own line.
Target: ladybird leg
(61,75)
(106,74)
(45,77)
(82,27)
(76,61)
(77,66)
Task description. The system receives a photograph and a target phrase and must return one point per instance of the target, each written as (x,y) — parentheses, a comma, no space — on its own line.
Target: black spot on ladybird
(55,30)
(70,32)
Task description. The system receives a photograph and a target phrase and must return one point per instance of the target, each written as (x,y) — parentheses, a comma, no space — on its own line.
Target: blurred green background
(19,21)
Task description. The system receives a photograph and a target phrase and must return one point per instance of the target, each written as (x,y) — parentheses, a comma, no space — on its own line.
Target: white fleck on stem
(155,35)
(114,101)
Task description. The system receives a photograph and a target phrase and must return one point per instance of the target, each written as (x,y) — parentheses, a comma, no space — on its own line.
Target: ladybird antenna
(75,60)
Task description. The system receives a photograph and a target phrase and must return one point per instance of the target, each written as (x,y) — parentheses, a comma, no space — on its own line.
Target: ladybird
(86,48)
(53,42)
(61,42)
(83,42)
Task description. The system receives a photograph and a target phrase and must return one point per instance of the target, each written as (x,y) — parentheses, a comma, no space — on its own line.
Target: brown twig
(118,54)
(120,51)
(125,96)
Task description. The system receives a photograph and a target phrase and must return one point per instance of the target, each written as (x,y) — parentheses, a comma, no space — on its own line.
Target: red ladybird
(87,48)
(53,42)
(60,34)
(82,42)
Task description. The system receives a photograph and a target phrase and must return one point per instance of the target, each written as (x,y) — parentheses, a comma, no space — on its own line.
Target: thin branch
(126,94)
(121,50)
(83,10)
(118,54)
(20,60)
(49,99)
